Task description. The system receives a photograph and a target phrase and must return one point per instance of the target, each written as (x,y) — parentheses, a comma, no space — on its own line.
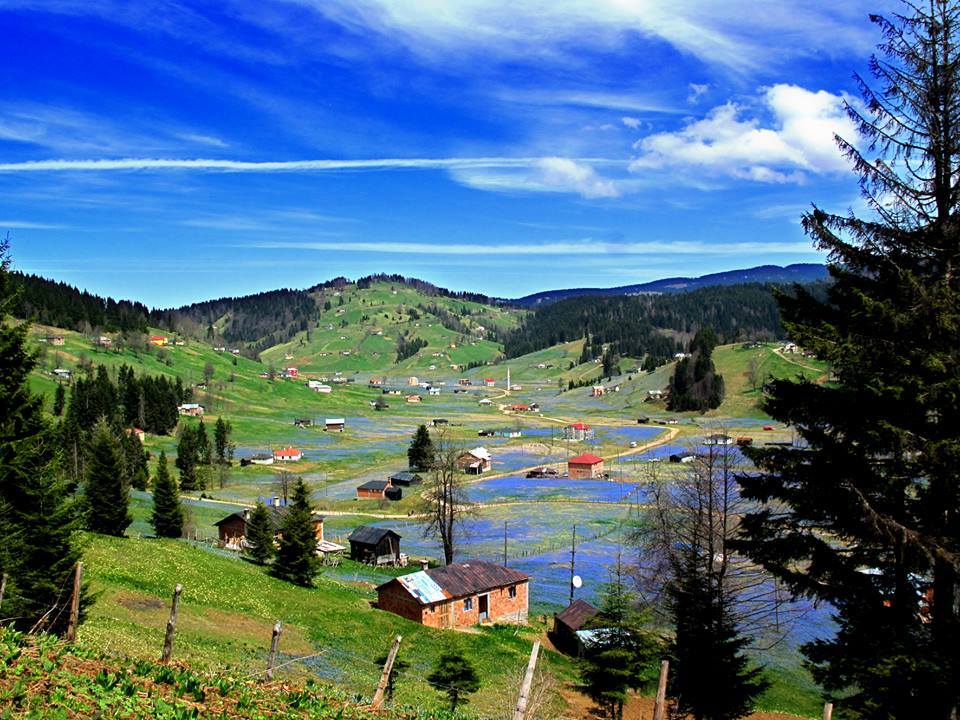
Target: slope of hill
(799,273)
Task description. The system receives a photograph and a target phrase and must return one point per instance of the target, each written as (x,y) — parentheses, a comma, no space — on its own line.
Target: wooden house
(233,528)
(405,478)
(57,340)
(598,391)
(458,595)
(159,340)
(414,398)
(373,545)
(475,462)
(334,424)
(585,467)
(190,409)
(136,432)
(379,490)
(568,623)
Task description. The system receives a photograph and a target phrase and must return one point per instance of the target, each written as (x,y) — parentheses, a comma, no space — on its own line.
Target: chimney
(424,564)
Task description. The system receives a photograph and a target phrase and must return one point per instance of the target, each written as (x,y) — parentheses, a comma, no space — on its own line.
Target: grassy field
(228,607)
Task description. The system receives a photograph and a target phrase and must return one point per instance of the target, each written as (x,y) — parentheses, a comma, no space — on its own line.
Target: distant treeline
(425,288)
(62,305)
(652,325)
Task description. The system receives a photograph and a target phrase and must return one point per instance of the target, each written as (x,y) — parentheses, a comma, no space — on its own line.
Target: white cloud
(553,174)
(198,139)
(796,140)
(29,225)
(631,122)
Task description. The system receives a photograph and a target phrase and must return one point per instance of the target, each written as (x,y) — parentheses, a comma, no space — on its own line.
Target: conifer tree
(59,400)
(454,676)
(865,514)
(186,461)
(623,654)
(297,559)
(221,439)
(167,518)
(106,492)
(38,520)
(420,454)
(260,536)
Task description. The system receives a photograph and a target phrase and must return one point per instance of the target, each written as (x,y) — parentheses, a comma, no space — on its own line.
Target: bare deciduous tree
(446,503)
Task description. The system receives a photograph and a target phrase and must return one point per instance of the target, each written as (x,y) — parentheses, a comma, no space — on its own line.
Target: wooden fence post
(660,706)
(3,588)
(75,603)
(828,711)
(385,675)
(274,644)
(171,625)
(521,710)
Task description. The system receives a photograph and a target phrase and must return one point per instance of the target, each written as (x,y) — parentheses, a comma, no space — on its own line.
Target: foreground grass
(42,677)
(228,607)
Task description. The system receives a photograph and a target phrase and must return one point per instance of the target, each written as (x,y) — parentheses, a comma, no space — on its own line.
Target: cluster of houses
(389,489)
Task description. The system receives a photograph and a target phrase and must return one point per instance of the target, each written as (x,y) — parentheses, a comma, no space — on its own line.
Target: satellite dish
(577,581)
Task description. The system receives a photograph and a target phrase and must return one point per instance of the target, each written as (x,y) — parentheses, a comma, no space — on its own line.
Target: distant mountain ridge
(797,272)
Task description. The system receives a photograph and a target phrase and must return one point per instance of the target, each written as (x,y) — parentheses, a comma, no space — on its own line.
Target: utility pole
(504,543)
(573,557)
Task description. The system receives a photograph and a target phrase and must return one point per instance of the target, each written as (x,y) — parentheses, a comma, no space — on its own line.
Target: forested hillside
(654,325)
(61,305)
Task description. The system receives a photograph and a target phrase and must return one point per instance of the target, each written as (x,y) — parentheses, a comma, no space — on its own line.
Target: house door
(484,607)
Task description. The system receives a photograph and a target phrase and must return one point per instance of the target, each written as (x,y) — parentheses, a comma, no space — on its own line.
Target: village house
(56,340)
(458,595)
(437,422)
(235,351)
(464,381)
(261,459)
(520,408)
(585,467)
(654,394)
(374,545)
(790,347)
(62,373)
(103,341)
(319,387)
(682,457)
(233,529)
(219,348)
(414,398)
(578,431)
(334,424)
(681,356)
(433,390)
(598,391)
(718,439)
(290,372)
(489,382)
(136,432)
(302,422)
(288,454)
(405,478)
(158,340)
(413,381)
(485,401)
(475,462)
(379,490)
(568,624)
(375,381)
(190,409)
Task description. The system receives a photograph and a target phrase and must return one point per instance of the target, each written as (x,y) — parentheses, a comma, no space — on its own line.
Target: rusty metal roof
(460,580)
(576,614)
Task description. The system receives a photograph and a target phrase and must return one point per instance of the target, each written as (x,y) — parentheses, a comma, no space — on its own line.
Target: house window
(468,604)
(512,592)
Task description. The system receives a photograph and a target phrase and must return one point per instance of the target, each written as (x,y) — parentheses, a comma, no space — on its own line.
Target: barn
(584,467)
(474,462)
(458,595)
(568,623)
(379,490)
(233,529)
(370,544)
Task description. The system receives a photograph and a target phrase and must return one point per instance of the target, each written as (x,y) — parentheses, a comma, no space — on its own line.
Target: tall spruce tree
(420,454)
(106,492)
(59,400)
(297,559)
(38,519)
(167,518)
(221,439)
(186,461)
(866,513)
(259,535)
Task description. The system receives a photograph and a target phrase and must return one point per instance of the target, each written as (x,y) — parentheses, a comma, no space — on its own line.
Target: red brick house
(584,467)
(458,595)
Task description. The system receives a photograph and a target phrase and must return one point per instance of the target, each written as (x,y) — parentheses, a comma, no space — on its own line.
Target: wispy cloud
(30,225)
(585,246)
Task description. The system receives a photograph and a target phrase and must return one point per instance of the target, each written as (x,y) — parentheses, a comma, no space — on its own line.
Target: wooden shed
(371,544)
(567,623)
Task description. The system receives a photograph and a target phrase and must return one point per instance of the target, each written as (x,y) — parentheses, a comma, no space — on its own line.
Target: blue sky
(176,151)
